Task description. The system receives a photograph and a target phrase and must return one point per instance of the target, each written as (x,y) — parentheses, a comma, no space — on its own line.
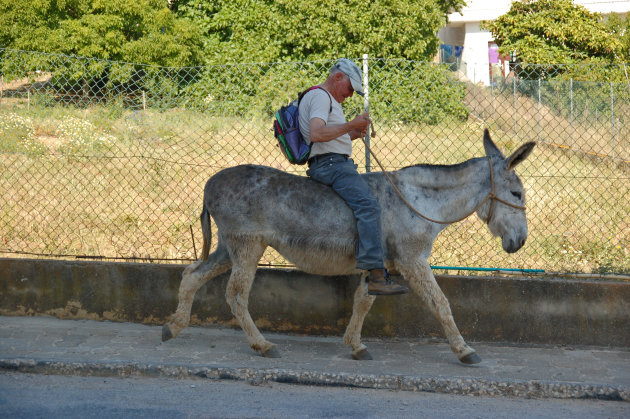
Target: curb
(255,376)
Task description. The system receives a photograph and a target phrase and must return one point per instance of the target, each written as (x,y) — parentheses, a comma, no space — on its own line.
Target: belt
(323,156)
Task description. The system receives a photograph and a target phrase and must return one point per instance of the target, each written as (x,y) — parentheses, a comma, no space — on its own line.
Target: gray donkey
(311,226)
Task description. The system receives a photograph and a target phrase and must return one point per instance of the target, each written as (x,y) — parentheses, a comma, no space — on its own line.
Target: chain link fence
(108,160)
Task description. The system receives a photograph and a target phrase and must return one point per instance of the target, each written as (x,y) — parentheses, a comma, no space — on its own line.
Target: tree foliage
(619,27)
(296,30)
(139,31)
(554,32)
(558,41)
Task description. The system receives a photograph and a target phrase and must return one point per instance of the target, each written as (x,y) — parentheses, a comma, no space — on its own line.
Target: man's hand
(360,122)
(354,134)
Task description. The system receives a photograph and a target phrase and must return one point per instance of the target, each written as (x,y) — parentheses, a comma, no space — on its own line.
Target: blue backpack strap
(301,95)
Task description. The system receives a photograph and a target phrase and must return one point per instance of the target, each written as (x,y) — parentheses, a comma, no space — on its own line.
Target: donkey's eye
(517,195)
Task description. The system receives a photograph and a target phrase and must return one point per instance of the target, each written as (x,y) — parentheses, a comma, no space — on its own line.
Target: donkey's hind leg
(362,304)
(194,276)
(245,253)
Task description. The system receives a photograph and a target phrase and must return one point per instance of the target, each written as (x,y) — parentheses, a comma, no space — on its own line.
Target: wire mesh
(102,159)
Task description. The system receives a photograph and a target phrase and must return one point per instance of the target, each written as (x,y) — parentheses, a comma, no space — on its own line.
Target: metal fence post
(476,101)
(539,111)
(492,93)
(514,95)
(366,108)
(572,129)
(612,118)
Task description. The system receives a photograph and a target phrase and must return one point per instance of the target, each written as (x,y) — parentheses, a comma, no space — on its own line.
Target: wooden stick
(193,240)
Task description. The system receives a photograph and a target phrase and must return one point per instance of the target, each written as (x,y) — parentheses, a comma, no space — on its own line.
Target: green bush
(400,90)
(415,92)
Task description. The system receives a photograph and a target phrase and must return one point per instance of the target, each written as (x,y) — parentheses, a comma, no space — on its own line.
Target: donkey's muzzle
(513,245)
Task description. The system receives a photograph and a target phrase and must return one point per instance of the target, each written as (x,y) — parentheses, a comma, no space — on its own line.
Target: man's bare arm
(320,132)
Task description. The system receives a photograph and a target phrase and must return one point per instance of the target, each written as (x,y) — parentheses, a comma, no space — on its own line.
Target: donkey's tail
(206,232)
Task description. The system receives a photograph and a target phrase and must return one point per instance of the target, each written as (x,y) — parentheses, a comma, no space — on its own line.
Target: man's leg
(356,192)
(342,175)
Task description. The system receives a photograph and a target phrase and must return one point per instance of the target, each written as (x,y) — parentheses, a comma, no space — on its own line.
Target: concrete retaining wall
(485,309)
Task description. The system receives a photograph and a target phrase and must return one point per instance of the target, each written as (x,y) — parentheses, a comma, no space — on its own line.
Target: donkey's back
(255,199)
(305,221)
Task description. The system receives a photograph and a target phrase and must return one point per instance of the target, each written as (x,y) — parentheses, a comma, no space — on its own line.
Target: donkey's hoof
(362,355)
(166,333)
(471,358)
(271,353)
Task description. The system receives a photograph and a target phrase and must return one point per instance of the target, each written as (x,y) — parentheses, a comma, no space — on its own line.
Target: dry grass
(130,184)
(528,119)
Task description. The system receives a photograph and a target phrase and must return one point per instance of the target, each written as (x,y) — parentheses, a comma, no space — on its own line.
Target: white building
(463,41)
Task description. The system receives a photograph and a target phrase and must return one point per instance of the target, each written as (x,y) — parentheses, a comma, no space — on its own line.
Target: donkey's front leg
(362,304)
(423,282)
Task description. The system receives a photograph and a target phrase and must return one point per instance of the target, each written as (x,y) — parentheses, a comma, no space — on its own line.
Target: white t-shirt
(316,104)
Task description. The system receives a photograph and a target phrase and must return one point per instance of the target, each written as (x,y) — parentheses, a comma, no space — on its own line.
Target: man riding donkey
(323,124)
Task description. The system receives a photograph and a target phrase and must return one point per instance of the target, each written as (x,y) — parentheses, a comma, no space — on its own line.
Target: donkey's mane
(441,175)
(445,167)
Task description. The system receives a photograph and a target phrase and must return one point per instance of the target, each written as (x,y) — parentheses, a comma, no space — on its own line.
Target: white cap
(353,72)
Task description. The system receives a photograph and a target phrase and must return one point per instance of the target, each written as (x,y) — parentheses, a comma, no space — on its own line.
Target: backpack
(287,131)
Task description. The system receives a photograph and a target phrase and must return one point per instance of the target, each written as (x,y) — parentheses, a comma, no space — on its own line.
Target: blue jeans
(341,173)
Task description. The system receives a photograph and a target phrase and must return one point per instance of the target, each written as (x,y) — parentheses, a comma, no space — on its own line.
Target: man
(323,123)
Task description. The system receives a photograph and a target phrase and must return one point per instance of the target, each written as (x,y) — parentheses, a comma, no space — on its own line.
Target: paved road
(45,396)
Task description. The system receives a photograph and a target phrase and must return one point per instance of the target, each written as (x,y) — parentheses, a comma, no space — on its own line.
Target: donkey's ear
(519,155)
(489,145)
